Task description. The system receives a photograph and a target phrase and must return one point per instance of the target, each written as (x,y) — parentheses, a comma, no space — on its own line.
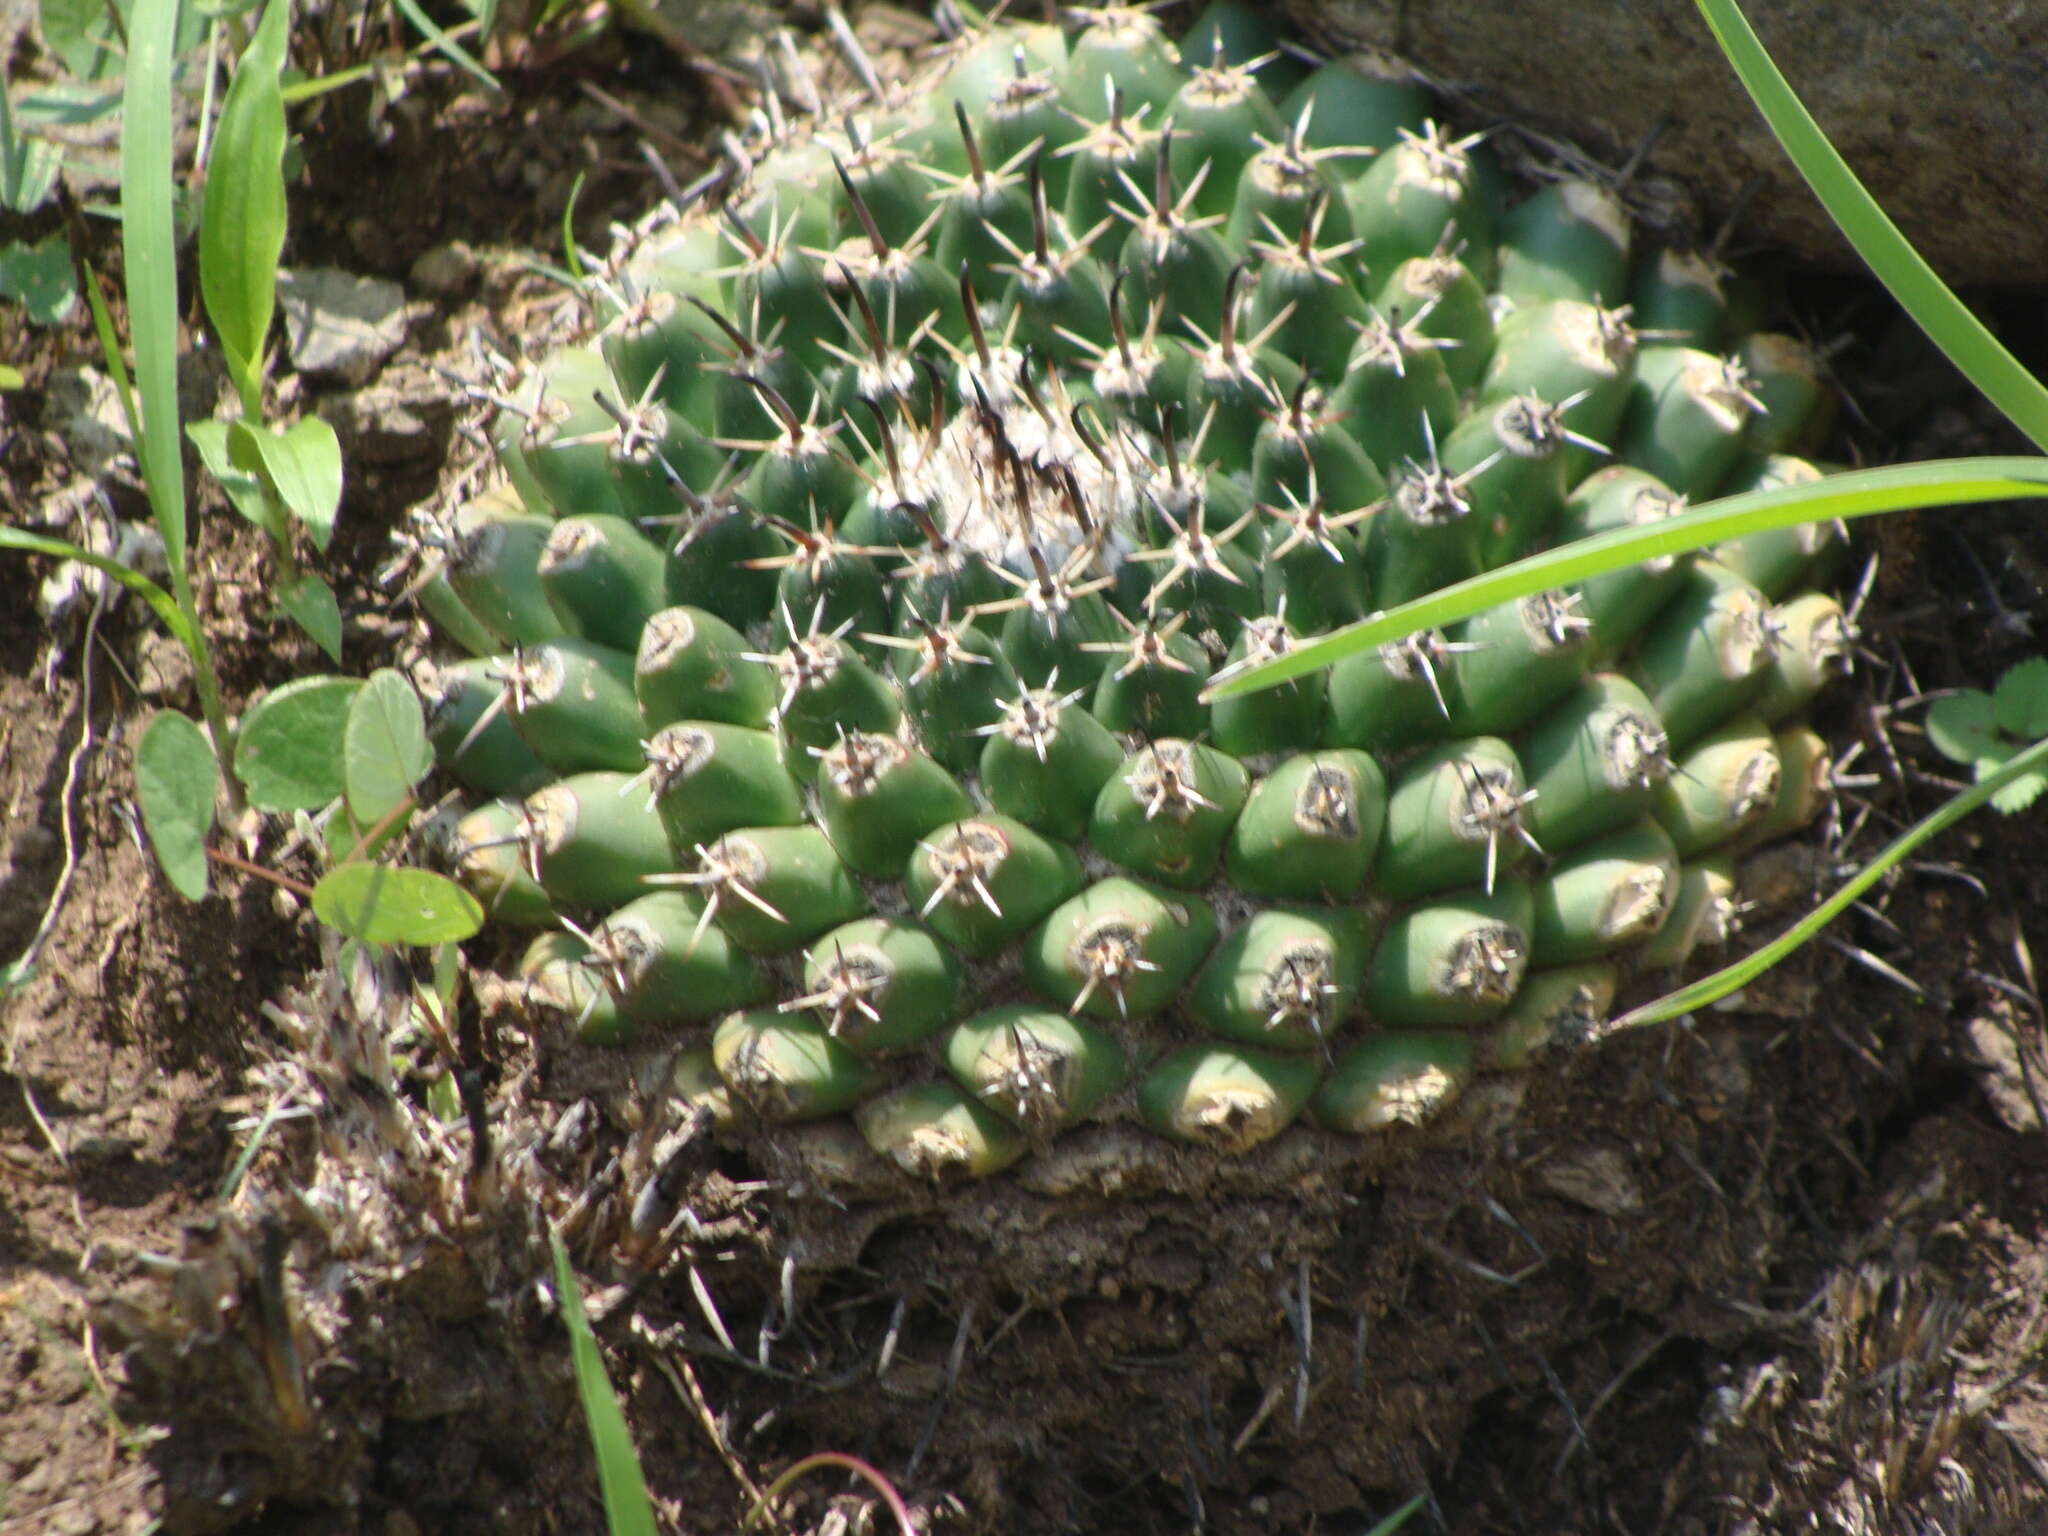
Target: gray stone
(446,270)
(1941,108)
(338,325)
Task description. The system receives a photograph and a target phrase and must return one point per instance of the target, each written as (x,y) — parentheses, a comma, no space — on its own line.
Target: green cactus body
(851,621)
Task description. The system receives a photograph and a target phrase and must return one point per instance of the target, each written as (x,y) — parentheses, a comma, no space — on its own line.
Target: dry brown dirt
(1780,1269)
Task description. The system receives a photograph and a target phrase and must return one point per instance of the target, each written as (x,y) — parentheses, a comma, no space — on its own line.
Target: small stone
(85,407)
(163,671)
(102,1147)
(1597,1178)
(2006,1081)
(401,416)
(338,324)
(446,270)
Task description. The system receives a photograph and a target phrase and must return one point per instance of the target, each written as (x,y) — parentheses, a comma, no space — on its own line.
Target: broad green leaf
(288,752)
(244,490)
(79,33)
(1963,726)
(384,747)
(242,220)
(2020,793)
(175,781)
(149,257)
(1856,493)
(627,1510)
(447,974)
(304,464)
(160,602)
(2022,699)
(11,378)
(1891,257)
(382,905)
(38,277)
(310,603)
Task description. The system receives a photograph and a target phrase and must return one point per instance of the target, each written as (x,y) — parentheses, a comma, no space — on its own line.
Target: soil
(1780,1267)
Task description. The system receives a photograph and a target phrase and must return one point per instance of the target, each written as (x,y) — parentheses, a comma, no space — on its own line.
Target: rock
(403,416)
(1599,1178)
(340,325)
(163,672)
(446,270)
(2010,1084)
(83,405)
(1937,107)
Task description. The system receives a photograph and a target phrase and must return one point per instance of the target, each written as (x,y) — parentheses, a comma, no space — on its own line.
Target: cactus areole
(840,649)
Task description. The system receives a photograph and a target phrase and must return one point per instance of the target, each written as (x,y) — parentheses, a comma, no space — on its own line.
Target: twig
(62,890)
(236,861)
(683,1377)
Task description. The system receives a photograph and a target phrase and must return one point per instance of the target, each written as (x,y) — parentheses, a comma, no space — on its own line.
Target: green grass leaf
(288,752)
(1857,493)
(384,747)
(149,256)
(310,603)
(1708,989)
(445,45)
(379,904)
(1398,1518)
(175,780)
(571,256)
(242,219)
(627,1509)
(1891,257)
(160,602)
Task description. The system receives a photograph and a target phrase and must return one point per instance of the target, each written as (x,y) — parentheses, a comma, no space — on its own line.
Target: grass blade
(1858,493)
(150,257)
(446,45)
(160,602)
(1891,257)
(627,1509)
(1398,1518)
(1729,978)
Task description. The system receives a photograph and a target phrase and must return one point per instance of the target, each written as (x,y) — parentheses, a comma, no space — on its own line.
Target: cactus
(869,565)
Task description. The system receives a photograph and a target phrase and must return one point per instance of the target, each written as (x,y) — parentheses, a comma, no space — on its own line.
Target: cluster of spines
(848,626)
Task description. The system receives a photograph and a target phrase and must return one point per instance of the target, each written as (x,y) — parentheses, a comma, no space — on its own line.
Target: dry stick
(236,861)
(683,1377)
(62,890)
(875,1478)
(299,887)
